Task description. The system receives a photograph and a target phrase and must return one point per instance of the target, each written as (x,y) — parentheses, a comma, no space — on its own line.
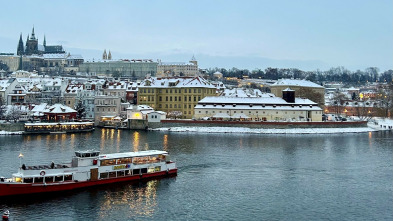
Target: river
(220,177)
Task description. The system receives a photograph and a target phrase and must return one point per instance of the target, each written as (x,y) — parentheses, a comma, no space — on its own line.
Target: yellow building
(175,96)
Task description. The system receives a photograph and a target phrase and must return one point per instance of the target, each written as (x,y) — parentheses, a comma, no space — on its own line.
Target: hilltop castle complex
(32,47)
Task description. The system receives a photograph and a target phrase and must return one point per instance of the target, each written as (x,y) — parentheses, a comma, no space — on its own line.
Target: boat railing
(45,167)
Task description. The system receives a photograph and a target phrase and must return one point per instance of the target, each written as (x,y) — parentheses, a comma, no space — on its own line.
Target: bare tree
(175,114)
(14,113)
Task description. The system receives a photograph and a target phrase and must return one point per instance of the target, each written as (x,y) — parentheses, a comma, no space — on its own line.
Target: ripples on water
(221,177)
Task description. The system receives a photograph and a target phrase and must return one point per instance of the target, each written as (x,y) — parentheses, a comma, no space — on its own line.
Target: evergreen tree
(80,110)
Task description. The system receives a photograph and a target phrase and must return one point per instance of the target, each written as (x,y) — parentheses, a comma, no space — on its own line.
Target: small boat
(6,215)
(88,168)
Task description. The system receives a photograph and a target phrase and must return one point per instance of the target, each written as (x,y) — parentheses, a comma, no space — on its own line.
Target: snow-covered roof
(293,82)
(245,92)
(140,107)
(182,82)
(54,56)
(253,100)
(74,56)
(157,112)
(59,108)
(176,63)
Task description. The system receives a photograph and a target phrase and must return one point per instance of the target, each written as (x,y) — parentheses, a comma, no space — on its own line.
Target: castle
(32,46)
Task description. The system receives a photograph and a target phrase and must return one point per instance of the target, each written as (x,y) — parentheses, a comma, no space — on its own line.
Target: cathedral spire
(104,56)
(44,43)
(109,55)
(32,34)
(20,50)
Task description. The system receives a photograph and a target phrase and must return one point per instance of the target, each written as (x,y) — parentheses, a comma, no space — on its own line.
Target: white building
(257,109)
(138,112)
(171,69)
(156,116)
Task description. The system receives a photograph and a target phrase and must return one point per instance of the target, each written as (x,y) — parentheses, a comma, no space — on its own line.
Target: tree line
(336,74)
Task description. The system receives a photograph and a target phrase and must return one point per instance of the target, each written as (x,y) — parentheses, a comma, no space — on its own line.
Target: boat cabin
(90,165)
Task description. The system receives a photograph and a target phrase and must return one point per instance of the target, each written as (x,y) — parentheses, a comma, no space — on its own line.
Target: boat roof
(132,154)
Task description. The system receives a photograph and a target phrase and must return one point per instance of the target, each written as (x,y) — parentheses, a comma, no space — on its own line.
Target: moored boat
(88,168)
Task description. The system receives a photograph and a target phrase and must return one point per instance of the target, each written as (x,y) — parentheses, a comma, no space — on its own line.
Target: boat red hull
(12,189)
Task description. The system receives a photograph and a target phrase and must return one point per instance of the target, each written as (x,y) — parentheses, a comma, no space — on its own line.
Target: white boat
(88,168)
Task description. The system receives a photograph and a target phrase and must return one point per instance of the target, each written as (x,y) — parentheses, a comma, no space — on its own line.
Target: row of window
(134,160)
(250,112)
(47,179)
(199,90)
(105,109)
(122,173)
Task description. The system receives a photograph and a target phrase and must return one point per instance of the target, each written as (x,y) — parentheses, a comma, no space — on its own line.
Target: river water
(220,177)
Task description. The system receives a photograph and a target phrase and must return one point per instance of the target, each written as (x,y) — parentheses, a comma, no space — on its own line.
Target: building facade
(175,96)
(172,69)
(303,88)
(133,69)
(257,109)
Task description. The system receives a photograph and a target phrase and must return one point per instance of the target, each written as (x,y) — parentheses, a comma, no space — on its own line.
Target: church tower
(21,48)
(194,61)
(32,35)
(104,56)
(31,44)
(109,55)
(44,43)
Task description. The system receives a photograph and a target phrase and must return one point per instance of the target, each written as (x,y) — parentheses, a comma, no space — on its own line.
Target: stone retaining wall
(267,125)
(12,127)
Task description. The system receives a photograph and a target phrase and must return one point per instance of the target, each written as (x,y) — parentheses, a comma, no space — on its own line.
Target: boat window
(120,173)
(67,177)
(58,178)
(127,172)
(18,179)
(49,179)
(108,162)
(135,172)
(157,168)
(144,170)
(124,160)
(112,174)
(38,180)
(28,180)
(103,175)
(150,170)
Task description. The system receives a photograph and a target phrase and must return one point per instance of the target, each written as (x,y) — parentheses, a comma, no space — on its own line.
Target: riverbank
(267,131)
(2,132)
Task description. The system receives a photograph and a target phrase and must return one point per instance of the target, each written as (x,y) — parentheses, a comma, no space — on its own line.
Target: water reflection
(132,200)
(136,141)
(165,142)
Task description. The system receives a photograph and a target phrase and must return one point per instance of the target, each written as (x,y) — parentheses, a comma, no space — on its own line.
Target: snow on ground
(381,124)
(2,132)
(267,131)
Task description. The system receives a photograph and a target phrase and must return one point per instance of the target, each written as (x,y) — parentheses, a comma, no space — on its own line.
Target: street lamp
(20,159)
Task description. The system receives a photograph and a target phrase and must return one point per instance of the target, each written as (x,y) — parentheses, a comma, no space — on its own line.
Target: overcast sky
(306,34)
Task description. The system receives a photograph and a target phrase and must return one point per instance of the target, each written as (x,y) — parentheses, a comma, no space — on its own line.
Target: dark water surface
(221,177)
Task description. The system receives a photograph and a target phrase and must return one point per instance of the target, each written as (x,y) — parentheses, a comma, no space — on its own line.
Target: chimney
(288,95)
